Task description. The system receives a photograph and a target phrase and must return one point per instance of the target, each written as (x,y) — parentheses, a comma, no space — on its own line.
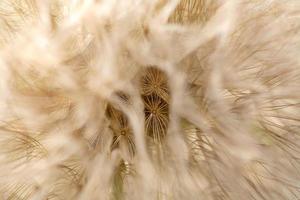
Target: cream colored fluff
(149,99)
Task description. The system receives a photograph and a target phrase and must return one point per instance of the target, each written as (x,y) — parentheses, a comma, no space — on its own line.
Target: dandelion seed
(157,117)
(155,82)
(121,129)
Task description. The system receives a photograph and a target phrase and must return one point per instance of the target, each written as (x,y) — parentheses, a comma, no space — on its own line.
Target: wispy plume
(149,99)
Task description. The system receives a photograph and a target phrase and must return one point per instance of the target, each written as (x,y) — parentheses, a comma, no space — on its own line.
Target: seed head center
(155,86)
(154,111)
(123,132)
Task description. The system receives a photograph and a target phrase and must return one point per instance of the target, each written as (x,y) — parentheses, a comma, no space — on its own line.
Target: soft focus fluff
(149,99)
